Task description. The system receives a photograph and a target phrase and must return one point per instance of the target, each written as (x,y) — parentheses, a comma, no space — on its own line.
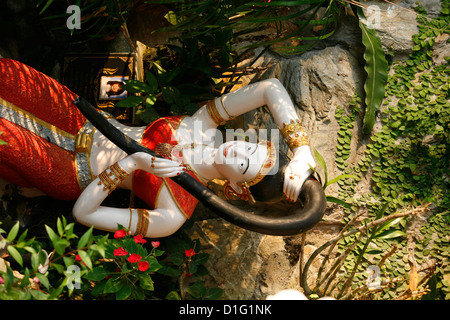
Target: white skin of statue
(166,218)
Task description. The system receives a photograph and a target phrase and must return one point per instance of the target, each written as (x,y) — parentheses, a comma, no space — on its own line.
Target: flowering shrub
(98,267)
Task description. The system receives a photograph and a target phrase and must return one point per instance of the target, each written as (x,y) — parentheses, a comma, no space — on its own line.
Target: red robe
(46,134)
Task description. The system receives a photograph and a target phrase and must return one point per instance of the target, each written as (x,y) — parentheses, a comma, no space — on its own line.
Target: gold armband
(230,117)
(294,134)
(213,113)
(143,220)
(106,178)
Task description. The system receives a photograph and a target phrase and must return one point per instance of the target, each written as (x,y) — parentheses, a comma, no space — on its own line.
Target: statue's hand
(160,167)
(298,170)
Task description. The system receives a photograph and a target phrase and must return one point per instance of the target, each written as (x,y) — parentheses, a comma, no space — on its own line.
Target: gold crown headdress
(266,167)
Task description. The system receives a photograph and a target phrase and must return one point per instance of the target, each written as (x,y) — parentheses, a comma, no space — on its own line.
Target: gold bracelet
(213,113)
(297,142)
(118,172)
(131,218)
(294,134)
(108,183)
(143,220)
(107,180)
(230,117)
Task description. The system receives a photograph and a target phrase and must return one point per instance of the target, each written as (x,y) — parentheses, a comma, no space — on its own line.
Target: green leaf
(130,102)
(147,114)
(169,271)
(113,285)
(153,264)
(389,224)
(214,294)
(197,290)
(43,280)
(173,295)
(38,294)
(85,258)
(97,274)
(377,70)
(374,251)
(389,234)
(338,201)
(150,100)
(323,165)
(49,2)
(13,232)
(200,258)
(59,227)
(15,254)
(152,81)
(135,86)
(85,238)
(123,293)
(340,177)
(52,235)
(171,94)
(146,282)
(60,246)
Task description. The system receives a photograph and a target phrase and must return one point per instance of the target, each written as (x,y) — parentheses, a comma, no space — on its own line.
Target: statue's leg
(31,161)
(39,123)
(39,95)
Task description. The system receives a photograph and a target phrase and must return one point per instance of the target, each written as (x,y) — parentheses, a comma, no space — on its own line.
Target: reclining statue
(61,145)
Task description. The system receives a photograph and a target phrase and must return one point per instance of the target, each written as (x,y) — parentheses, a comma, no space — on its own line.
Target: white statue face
(239,161)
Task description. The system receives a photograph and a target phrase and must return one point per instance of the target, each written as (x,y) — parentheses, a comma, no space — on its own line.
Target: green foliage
(324,181)
(97,267)
(99,18)
(377,69)
(178,77)
(310,21)
(407,161)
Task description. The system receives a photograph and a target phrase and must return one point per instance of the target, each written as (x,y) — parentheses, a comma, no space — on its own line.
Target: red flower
(120,252)
(189,252)
(78,258)
(120,234)
(139,239)
(143,265)
(155,244)
(133,258)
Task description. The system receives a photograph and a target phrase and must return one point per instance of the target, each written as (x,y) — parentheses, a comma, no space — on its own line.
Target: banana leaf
(377,70)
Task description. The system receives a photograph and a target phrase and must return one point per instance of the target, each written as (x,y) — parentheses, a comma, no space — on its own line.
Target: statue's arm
(162,221)
(267,92)
(273,94)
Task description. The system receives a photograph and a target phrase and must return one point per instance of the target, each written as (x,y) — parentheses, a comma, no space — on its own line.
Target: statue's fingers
(167,173)
(296,190)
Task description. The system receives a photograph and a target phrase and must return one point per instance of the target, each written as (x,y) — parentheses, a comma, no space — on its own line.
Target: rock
(246,264)
(441,49)
(249,265)
(395,24)
(432,7)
